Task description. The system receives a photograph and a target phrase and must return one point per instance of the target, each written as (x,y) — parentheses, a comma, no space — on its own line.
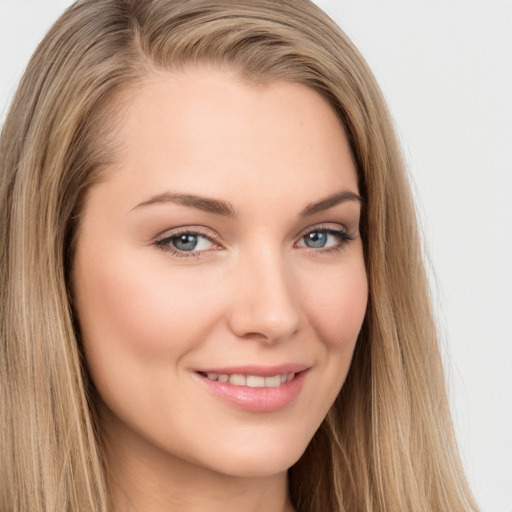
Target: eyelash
(341,233)
(164,244)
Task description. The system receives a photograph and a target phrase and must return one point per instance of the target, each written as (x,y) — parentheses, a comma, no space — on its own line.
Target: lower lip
(256,399)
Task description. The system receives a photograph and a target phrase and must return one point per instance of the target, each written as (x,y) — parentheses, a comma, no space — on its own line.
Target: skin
(253,291)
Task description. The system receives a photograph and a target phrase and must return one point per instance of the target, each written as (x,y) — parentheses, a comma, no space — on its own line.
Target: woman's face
(219,279)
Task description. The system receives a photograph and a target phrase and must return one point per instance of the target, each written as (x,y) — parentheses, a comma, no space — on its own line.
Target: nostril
(264,306)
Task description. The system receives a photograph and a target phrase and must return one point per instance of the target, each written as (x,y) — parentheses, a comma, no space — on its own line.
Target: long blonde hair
(387,443)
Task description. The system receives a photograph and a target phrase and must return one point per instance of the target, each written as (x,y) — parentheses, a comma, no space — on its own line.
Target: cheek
(139,311)
(337,308)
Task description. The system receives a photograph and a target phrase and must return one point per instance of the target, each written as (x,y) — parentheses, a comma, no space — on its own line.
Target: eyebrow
(205,204)
(226,209)
(330,202)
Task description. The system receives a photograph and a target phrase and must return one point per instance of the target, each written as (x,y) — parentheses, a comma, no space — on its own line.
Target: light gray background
(446,70)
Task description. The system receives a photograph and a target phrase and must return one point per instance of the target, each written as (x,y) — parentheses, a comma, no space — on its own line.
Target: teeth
(238,380)
(255,382)
(273,382)
(252,381)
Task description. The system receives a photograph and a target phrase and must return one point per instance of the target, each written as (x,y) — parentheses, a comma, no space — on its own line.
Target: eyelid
(192,230)
(161,240)
(331,227)
(339,230)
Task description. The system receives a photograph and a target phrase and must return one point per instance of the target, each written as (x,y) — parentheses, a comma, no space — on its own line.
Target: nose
(265,304)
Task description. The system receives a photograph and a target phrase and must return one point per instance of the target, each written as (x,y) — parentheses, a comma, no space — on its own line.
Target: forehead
(206,131)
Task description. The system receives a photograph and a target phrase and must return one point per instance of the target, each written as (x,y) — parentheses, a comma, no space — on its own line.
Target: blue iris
(185,242)
(316,239)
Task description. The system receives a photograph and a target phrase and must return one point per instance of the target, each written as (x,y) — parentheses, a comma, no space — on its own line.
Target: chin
(259,459)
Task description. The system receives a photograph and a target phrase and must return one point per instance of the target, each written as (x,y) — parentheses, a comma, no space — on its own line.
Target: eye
(317,239)
(325,238)
(186,243)
(190,242)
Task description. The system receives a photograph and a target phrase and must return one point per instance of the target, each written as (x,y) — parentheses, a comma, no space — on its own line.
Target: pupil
(185,242)
(316,240)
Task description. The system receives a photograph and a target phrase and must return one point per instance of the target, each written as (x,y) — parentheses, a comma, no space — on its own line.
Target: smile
(252,381)
(255,388)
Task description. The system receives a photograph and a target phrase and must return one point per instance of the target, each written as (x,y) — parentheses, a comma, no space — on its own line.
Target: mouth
(251,381)
(255,389)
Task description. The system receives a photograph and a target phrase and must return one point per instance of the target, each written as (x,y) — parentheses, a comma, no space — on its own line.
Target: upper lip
(258,370)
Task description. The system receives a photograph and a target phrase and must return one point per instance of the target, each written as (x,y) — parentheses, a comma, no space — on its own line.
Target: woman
(214,293)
